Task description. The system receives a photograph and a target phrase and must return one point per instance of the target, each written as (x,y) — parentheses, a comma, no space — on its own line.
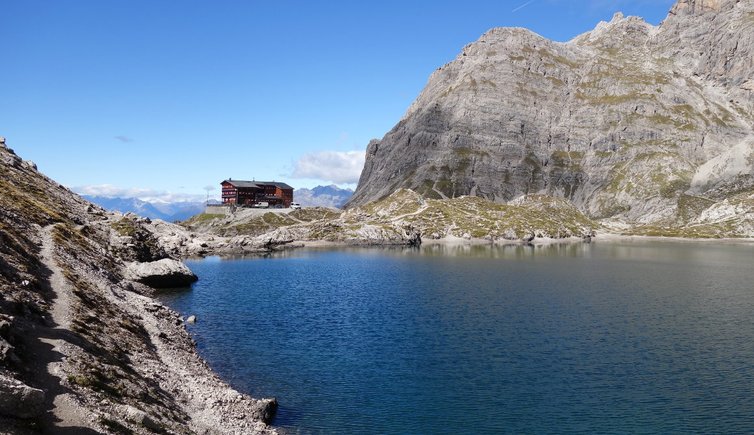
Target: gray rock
(139,417)
(20,400)
(165,273)
(191,319)
(618,120)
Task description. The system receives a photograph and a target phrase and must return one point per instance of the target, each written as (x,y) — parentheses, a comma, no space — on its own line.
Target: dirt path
(54,346)
(422,208)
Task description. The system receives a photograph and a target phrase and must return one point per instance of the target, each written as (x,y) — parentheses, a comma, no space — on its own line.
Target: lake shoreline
(599,237)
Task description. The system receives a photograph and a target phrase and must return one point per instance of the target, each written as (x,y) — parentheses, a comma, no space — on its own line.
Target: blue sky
(161,98)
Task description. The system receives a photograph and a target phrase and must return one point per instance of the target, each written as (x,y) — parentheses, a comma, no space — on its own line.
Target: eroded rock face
(618,121)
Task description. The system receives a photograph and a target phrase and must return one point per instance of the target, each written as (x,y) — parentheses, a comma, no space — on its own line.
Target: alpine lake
(606,337)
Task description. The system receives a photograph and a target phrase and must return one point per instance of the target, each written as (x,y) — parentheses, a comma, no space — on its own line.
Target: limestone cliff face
(696,6)
(622,121)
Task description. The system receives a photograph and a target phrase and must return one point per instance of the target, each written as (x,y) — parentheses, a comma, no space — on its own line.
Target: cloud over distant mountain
(333,166)
(322,196)
(149,195)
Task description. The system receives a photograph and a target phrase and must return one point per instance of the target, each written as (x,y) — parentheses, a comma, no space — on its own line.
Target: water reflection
(607,337)
(511,251)
(630,250)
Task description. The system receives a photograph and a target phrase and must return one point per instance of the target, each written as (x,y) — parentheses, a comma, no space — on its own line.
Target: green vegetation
(476,217)
(202,218)
(97,380)
(690,207)
(125,227)
(260,224)
(29,200)
(466,152)
(706,231)
(545,54)
(309,214)
(608,99)
(403,201)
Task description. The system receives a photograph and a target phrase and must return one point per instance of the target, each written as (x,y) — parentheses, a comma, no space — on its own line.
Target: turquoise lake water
(636,337)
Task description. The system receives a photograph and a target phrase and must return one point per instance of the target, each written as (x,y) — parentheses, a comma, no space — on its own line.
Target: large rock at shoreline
(165,273)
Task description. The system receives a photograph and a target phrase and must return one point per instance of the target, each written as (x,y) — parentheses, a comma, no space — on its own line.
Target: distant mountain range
(167,211)
(321,196)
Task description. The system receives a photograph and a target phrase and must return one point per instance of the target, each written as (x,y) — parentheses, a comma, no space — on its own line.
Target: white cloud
(149,195)
(331,166)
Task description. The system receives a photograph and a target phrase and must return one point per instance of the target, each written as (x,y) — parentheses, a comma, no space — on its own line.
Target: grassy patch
(609,99)
(309,214)
(690,207)
(202,218)
(28,200)
(125,227)
(476,217)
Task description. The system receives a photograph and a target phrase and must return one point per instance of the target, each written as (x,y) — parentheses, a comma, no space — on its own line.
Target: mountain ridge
(323,196)
(621,120)
(167,211)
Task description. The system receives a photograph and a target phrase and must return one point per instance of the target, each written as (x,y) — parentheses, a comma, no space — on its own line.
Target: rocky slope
(83,348)
(644,125)
(407,218)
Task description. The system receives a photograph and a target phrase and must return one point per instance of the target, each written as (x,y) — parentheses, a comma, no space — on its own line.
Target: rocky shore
(84,348)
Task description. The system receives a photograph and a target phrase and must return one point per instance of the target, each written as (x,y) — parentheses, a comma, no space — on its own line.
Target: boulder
(139,417)
(165,273)
(413,236)
(20,400)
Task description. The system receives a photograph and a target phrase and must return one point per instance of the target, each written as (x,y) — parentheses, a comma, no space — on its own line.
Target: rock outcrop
(165,273)
(639,124)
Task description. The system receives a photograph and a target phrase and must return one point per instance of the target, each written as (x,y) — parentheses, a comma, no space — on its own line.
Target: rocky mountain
(167,211)
(323,196)
(648,126)
(83,346)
